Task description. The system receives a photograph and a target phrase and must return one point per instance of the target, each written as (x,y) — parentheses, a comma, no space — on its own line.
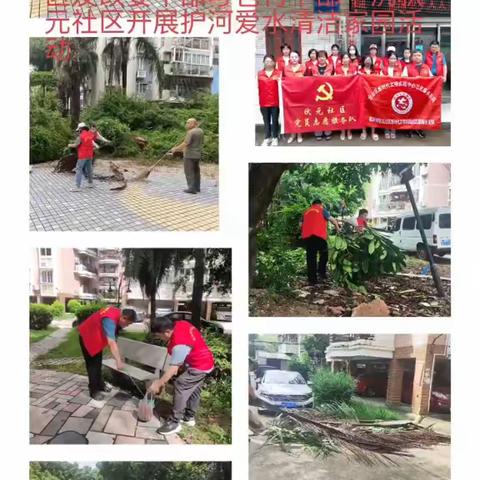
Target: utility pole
(406,175)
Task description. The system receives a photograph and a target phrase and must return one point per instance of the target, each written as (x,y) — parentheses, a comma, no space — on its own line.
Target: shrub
(40,316)
(330,387)
(73,306)
(279,269)
(86,310)
(57,309)
(302,365)
(357,257)
(113,129)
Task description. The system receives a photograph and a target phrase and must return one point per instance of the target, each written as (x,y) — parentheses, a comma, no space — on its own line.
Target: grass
(37,335)
(138,336)
(358,410)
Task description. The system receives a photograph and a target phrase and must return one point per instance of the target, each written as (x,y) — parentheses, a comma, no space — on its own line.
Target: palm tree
(74,72)
(116,56)
(149,266)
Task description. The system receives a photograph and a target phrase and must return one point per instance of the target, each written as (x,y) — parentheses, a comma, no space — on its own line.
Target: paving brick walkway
(158,203)
(59,402)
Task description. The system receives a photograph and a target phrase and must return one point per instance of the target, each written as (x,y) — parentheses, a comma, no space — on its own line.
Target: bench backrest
(144,353)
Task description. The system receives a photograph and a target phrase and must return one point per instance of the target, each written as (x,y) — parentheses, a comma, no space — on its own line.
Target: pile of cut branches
(367,443)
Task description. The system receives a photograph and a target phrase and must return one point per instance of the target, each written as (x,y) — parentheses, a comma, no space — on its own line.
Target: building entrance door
(274,40)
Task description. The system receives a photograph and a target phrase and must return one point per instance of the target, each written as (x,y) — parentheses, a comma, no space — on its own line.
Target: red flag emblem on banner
(313,104)
(403,103)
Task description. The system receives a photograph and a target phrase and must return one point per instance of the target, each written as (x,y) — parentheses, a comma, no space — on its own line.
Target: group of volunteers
(191,360)
(320,63)
(191,148)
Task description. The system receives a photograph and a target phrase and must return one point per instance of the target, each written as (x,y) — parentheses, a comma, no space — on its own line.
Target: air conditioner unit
(141,73)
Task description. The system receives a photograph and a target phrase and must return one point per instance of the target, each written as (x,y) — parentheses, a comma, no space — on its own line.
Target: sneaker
(328,137)
(90,185)
(363,136)
(75,189)
(393,135)
(190,191)
(387,135)
(342,136)
(274,142)
(266,142)
(291,138)
(299,138)
(375,137)
(169,428)
(420,133)
(97,396)
(189,421)
(106,388)
(349,135)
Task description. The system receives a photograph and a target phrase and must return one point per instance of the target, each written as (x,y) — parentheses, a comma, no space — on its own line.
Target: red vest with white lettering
(85,149)
(314,223)
(438,60)
(200,356)
(412,70)
(91,329)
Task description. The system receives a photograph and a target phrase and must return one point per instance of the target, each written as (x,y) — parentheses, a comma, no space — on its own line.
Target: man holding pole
(191,148)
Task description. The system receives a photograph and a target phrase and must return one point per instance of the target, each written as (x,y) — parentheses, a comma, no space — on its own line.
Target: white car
(279,389)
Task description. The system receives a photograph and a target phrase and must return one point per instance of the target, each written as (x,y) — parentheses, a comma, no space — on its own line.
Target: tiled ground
(59,402)
(158,203)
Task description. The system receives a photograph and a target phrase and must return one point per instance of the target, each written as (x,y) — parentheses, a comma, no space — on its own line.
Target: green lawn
(37,335)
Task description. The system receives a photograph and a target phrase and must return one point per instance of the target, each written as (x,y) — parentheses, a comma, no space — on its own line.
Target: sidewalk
(60,402)
(48,343)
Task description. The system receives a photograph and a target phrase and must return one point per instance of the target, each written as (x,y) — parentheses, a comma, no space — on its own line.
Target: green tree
(38,55)
(315,346)
(149,266)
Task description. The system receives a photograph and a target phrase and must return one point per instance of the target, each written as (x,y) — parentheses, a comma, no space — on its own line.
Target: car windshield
(292,378)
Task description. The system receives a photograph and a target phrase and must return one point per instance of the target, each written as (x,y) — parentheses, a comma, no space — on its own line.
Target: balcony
(113,275)
(90,252)
(141,74)
(189,70)
(362,348)
(47,290)
(109,260)
(82,271)
(87,296)
(46,262)
(289,348)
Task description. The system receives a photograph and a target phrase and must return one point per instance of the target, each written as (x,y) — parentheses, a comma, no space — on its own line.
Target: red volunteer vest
(311,68)
(91,329)
(378,63)
(85,149)
(299,72)
(352,70)
(413,71)
(268,88)
(200,356)
(397,71)
(281,63)
(314,223)
(333,61)
(438,60)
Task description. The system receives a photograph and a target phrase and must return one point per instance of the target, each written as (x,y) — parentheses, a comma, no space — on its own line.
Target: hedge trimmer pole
(406,177)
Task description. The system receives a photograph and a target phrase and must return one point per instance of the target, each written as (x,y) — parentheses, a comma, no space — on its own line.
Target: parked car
(279,389)
(224,327)
(436,223)
(440,397)
(372,384)
(140,318)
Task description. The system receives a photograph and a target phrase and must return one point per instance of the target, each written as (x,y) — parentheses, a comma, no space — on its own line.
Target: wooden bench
(143,354)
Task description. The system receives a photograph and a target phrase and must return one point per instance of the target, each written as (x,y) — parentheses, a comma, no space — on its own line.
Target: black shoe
(408,134)
(318,139)
(198,190)
(97,396)
(106,388)
(420,133)
(169,428)
(190,191)
(328,137)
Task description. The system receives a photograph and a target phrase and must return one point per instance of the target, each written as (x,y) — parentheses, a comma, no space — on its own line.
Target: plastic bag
(145,407)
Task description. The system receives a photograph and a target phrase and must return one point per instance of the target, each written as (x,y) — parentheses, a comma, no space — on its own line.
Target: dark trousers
(317,258)
(186,398)
(270,121)
(94,369)
(192,173)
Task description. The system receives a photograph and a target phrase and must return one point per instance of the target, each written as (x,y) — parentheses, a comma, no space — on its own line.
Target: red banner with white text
(403,103)
(313,104)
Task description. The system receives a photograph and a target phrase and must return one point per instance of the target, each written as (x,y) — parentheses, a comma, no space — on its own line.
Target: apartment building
(414,365)
(277,350)
(387,197)
(189,65)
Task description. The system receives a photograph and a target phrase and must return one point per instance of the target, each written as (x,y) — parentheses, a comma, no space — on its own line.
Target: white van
(436,223)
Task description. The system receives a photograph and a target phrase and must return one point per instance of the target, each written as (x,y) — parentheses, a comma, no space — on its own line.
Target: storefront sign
(403,103)
(421,8)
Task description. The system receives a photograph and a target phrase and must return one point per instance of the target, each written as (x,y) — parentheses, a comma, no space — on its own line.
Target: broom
(145,174)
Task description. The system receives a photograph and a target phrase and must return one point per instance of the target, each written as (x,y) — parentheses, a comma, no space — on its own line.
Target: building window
(46,276)
(141,89)
(46,252)
(141,63)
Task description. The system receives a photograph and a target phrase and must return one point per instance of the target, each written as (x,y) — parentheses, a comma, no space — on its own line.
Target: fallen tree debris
(368,443)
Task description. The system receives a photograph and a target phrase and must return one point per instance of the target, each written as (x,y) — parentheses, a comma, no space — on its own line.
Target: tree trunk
(153,307)
(75,102)
(198,286)
(263,179)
